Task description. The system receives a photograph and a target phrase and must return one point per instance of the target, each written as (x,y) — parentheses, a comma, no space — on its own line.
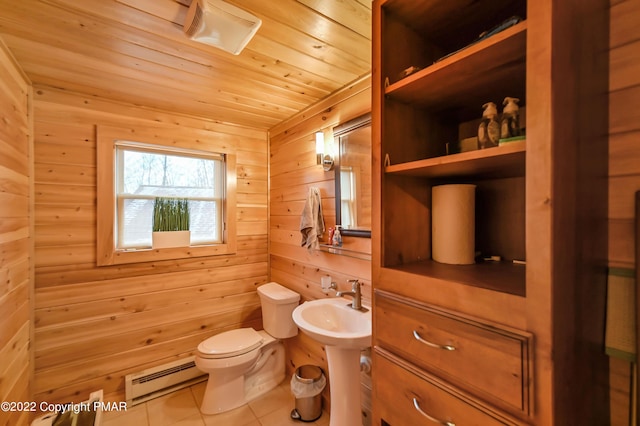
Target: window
(144,172)
(132,173)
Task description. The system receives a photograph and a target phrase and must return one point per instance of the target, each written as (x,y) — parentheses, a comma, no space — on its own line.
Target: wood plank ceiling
(135,51)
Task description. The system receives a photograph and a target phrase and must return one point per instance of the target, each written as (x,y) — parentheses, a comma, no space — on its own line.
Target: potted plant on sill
(170,223)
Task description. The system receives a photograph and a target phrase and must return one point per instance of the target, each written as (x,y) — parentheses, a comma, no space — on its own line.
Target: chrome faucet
(355,292)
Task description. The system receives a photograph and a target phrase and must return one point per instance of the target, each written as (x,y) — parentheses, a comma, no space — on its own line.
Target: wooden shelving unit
(427,109)
(541,200)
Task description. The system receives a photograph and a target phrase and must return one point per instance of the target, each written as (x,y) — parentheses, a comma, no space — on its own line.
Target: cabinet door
(409,396)
(490,362)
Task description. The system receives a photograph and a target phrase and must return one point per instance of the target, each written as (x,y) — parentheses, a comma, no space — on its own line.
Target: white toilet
(244,363)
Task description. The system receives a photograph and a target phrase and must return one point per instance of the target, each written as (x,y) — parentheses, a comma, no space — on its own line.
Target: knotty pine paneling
(293,171)
(16,237)
(624,169)
(94,325)
(135,51)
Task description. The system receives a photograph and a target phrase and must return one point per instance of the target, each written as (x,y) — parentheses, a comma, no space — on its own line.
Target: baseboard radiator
(161,380)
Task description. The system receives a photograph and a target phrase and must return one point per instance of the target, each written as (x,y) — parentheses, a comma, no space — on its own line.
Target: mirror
(353,176)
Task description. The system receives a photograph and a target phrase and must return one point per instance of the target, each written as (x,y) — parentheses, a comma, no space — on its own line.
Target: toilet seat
(230,343)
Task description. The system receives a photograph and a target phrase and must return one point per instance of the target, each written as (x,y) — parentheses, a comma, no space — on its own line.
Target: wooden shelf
(489,68)
(438,20)
(502,161)
(504,277)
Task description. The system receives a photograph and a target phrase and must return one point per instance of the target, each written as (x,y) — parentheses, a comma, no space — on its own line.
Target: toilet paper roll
(453,224)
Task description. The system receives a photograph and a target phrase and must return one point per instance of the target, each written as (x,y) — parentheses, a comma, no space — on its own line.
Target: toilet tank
(278,303)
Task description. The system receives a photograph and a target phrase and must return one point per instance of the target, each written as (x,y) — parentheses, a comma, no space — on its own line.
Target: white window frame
(121,196)
(107,251)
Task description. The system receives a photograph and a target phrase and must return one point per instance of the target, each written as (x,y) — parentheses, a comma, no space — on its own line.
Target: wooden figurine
(510,123)
(489,128)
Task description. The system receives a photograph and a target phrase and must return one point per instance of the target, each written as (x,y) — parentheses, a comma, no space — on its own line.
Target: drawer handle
(433,345)
(433,419)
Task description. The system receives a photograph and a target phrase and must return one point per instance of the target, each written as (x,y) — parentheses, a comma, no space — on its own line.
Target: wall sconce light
(326,160)
(319,147)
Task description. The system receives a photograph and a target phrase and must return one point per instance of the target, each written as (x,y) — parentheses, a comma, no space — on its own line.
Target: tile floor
(181,408)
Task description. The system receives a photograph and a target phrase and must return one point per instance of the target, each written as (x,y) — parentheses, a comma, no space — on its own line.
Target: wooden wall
(293,171)
(624,166)
(16,237)
(94,325)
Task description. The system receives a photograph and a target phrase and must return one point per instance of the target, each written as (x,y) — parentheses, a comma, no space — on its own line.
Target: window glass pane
(135,224)
(168,175)
(205,216)
(143,175)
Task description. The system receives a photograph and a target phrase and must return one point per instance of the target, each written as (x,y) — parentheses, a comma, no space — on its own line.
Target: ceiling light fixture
(220,24)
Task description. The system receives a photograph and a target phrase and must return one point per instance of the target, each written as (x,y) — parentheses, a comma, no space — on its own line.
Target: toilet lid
(230,343)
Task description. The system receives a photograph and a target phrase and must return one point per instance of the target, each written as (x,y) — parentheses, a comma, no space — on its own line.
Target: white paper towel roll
(453,224)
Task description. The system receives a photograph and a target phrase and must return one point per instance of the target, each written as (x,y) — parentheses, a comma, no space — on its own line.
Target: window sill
(120,257)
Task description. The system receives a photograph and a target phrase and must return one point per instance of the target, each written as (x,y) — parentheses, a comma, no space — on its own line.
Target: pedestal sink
(344,331)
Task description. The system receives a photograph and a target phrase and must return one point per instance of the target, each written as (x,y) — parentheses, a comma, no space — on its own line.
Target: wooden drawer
(401,390)
(488,361)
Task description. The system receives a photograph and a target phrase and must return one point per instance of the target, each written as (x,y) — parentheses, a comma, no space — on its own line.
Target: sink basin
(344,332)
(333,322)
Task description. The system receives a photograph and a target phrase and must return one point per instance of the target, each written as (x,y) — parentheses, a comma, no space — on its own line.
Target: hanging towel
(312,222)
